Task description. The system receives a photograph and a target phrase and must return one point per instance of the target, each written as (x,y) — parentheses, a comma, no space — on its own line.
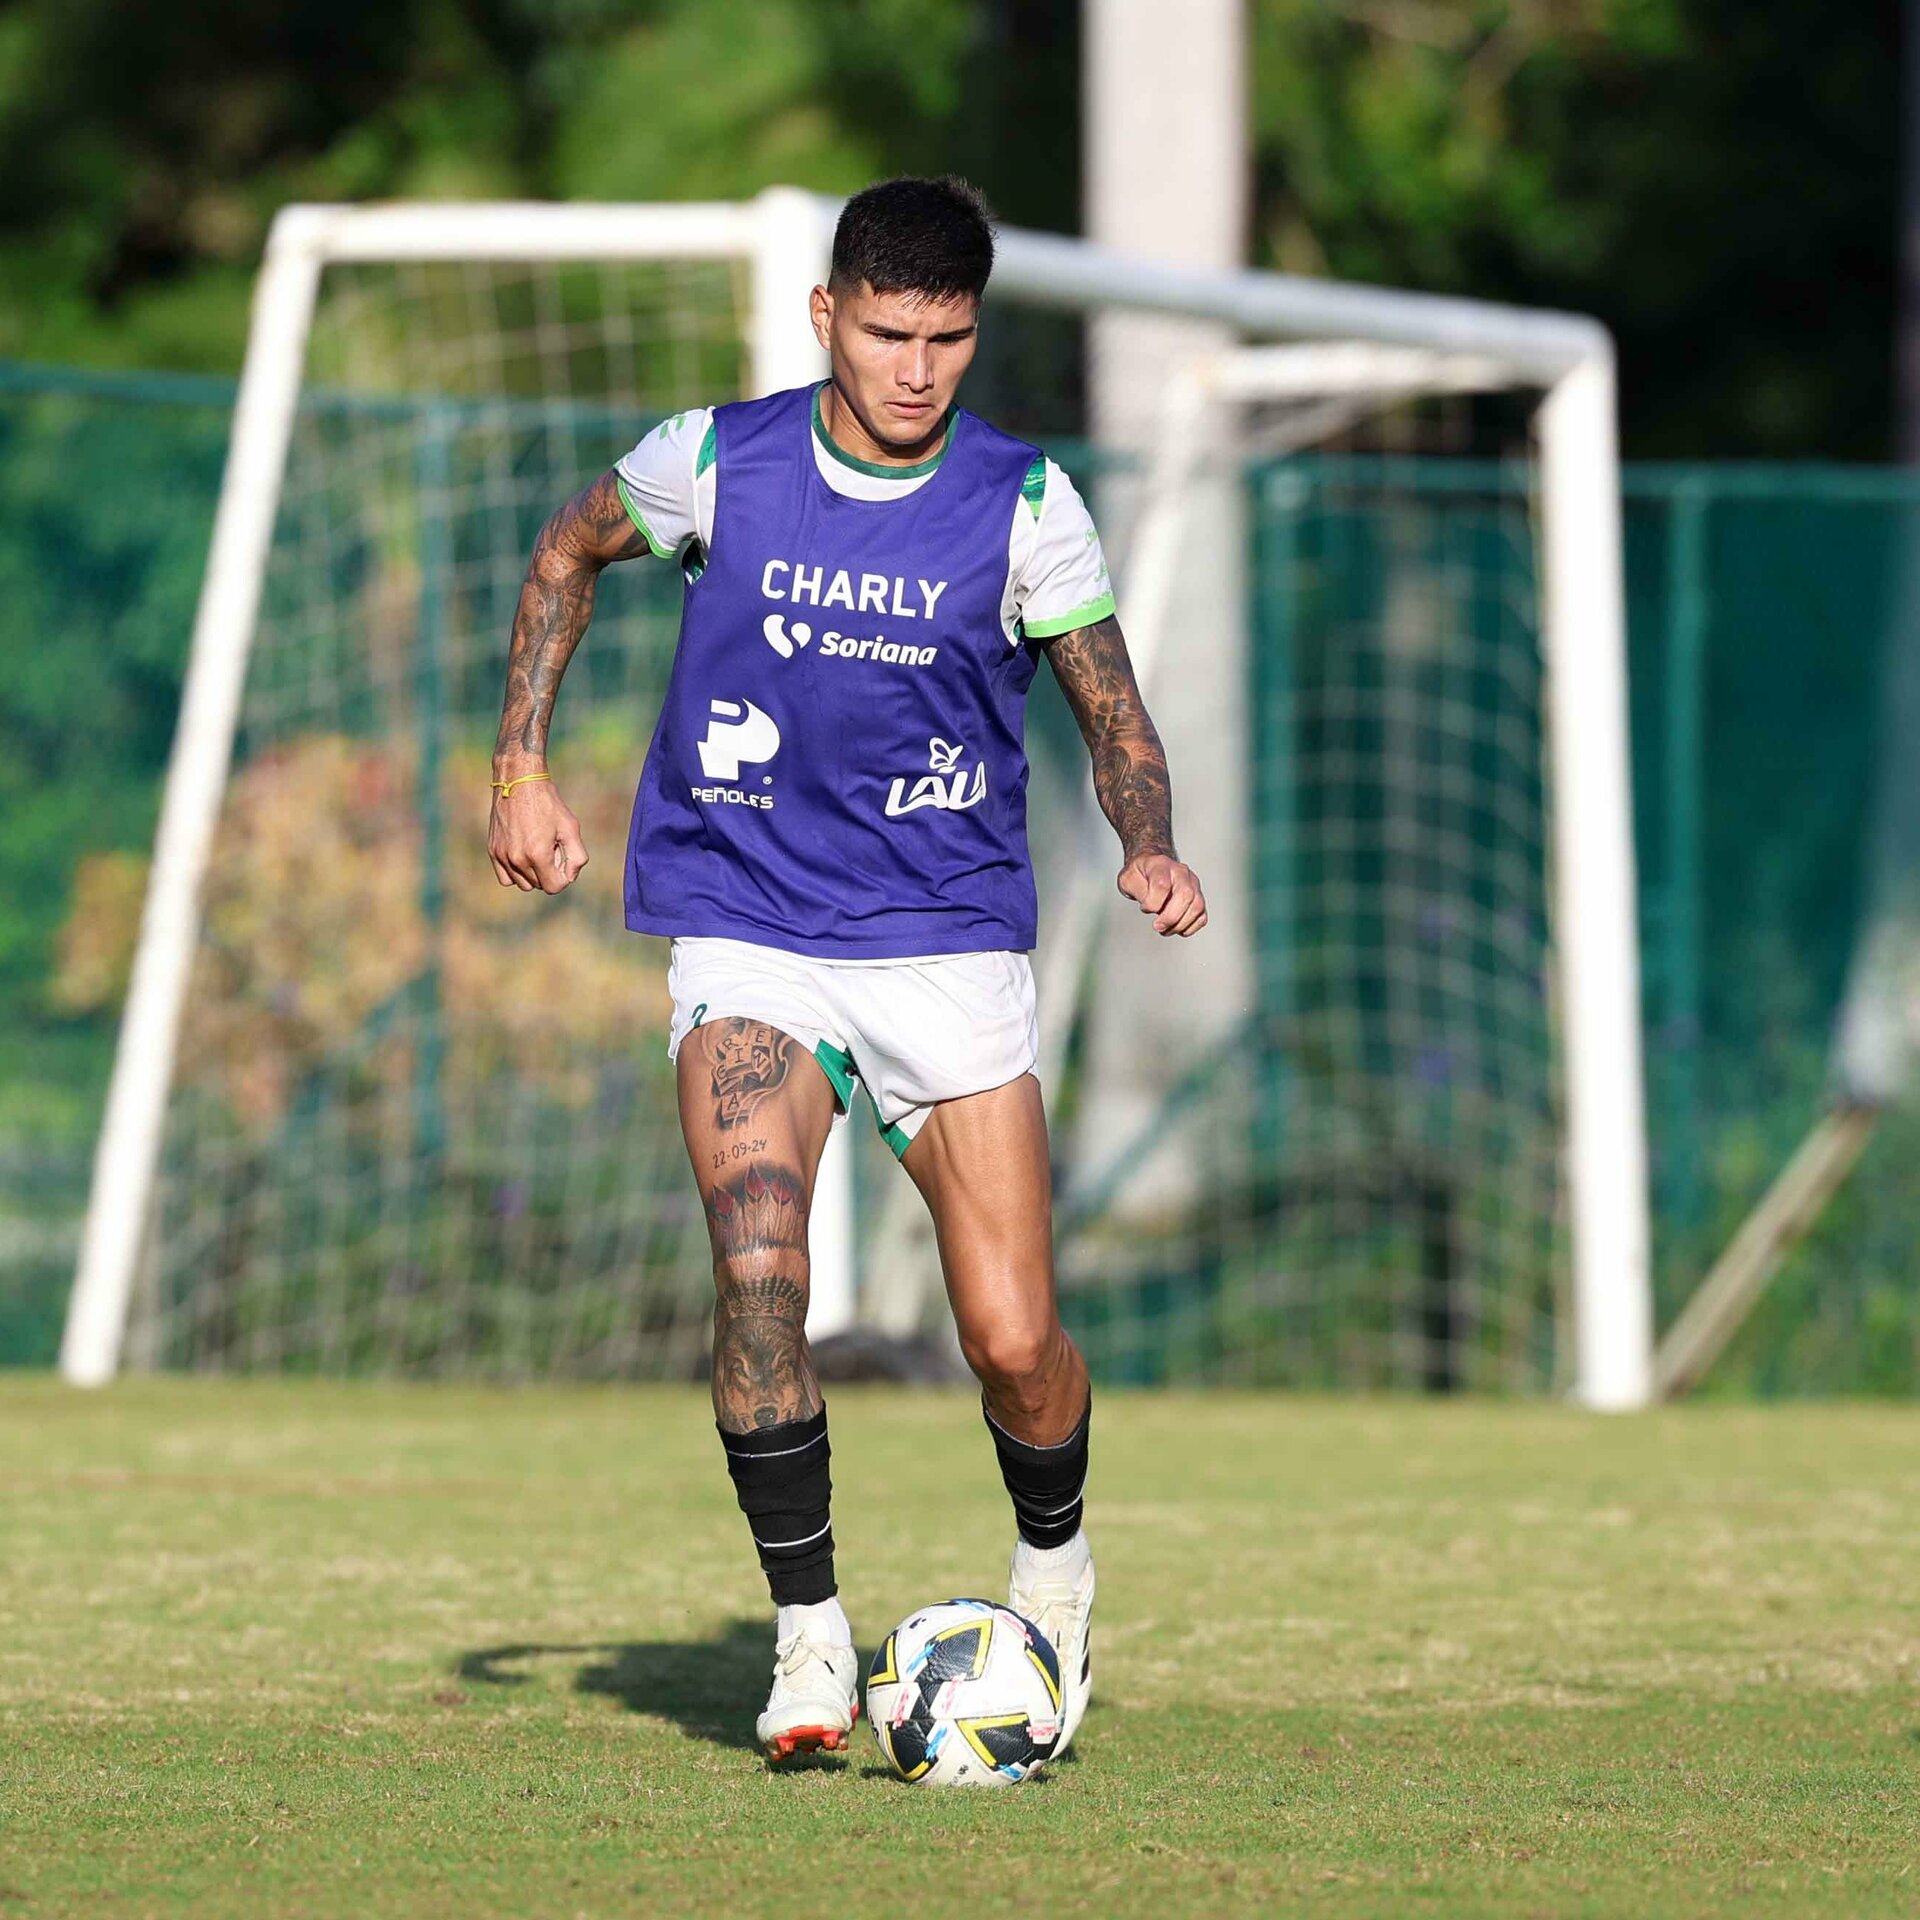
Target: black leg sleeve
(780,1475)
(1047,1484)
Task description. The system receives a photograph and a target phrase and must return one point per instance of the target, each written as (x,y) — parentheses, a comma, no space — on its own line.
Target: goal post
(1388,348)
(1569,360)
(129,1144)
(784,237)
(343,564)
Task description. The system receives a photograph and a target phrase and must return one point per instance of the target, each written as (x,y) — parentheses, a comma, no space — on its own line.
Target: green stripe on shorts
(838,1067)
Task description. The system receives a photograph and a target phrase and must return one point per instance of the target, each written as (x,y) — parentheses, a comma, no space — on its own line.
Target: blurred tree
(145,144)
(1718,178)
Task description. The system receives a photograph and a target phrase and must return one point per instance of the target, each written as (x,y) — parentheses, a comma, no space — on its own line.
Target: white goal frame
(782,237)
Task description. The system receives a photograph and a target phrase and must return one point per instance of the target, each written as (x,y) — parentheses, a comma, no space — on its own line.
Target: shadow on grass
(711,1689)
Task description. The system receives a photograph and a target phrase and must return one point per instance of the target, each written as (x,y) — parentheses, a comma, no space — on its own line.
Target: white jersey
(1056,573)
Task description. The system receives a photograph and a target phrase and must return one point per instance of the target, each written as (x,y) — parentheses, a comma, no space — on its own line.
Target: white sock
(1030,1563)
(823,1621)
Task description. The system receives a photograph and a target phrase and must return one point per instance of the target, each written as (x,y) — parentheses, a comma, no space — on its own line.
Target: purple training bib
(840,764)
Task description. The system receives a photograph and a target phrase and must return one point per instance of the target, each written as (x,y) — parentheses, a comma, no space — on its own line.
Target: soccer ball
(965,1694)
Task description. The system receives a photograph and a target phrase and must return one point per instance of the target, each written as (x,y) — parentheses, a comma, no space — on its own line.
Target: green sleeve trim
(634,514)
(1033,489)
(1094,610)
(708,452)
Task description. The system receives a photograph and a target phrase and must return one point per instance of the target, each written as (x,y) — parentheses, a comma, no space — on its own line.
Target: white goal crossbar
(781,239)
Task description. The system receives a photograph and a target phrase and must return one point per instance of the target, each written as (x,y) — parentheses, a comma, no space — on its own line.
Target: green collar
(870,468)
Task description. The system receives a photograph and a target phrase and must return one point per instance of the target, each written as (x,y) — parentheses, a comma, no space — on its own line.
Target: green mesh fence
(1767,613)
(107,489)
(1760,605)
(1379,1196)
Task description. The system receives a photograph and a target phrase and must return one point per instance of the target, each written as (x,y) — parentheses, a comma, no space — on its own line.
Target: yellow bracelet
(504,788)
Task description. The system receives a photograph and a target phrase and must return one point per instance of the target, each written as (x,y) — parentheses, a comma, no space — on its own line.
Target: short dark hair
(914,235)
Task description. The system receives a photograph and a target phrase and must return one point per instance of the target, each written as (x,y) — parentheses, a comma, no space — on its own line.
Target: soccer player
(831,829)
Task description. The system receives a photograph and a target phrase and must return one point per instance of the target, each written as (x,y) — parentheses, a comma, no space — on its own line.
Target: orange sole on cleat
(783,1746)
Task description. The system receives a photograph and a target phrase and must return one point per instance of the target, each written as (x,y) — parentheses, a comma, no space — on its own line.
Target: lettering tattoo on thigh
(751,1061)
(762,1375)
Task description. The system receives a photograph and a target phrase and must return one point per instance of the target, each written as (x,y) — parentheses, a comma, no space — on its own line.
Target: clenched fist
(533,839)
(1168,889)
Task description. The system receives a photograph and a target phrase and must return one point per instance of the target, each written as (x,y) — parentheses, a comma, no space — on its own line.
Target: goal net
(1359,1180)
(372,1113)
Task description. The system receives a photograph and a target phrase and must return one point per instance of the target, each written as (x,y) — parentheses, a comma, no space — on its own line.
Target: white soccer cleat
(1060,1604)
(815,1698)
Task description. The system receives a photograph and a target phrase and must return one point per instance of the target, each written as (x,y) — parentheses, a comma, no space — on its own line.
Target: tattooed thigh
(751,1062)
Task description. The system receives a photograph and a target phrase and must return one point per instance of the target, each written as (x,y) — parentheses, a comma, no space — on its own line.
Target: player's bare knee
(1016,1364)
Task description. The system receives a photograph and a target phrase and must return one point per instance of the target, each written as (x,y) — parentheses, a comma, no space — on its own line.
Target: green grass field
(362,1650)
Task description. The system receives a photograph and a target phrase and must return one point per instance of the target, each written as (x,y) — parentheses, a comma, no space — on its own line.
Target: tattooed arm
(1129,773)
(533,839)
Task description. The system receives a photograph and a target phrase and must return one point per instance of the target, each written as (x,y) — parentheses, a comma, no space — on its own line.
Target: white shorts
(914,1032)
